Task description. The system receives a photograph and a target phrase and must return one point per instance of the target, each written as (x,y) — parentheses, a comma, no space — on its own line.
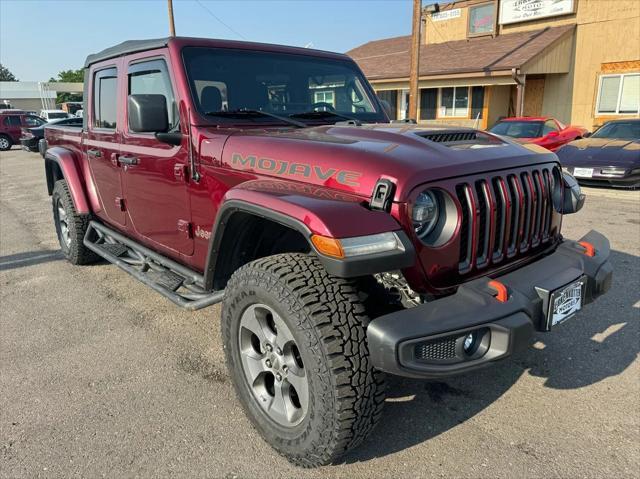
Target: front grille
(436,350)
(504,215)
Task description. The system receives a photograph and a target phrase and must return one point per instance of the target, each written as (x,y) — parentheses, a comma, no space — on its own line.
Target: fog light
(469,344)
(474,344)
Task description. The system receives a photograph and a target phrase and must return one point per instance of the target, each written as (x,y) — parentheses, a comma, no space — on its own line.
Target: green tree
(68,76)
(5,74)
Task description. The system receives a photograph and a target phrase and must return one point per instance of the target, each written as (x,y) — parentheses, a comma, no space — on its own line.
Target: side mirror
(386,106)
(552,134)
(587,134)
(573,196)
(148,113)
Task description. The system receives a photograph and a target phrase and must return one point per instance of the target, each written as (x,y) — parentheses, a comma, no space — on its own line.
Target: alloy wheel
(64,223)
(273,366)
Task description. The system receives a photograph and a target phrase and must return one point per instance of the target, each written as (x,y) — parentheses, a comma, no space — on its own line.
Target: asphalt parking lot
(100,376)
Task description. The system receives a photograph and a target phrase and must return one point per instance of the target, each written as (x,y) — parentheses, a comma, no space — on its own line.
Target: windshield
(279,83)
(52,115)
(518,129)
(624,130)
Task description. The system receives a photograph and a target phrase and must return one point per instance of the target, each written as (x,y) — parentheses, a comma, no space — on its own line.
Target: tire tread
(78,253)
(339,319)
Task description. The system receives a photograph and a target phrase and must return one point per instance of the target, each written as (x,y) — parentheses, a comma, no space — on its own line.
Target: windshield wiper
(249,112)
(323,114)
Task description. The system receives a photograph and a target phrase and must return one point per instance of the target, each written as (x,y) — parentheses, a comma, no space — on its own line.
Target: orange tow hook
(589,249)
(502,294)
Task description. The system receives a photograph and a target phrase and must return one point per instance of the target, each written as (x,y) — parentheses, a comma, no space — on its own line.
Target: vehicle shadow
(29,258)
(599,343)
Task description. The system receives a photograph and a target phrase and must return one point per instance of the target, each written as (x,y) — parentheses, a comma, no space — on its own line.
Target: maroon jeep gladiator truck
(343,247)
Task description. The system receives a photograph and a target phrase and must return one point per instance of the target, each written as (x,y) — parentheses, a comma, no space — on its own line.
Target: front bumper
(397,341)
(629,178)
(29,144)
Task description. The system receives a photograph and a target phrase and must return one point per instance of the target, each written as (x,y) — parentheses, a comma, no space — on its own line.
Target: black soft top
(125,48)
(134,46)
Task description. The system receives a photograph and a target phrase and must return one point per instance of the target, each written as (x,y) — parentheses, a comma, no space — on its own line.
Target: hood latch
(382,195)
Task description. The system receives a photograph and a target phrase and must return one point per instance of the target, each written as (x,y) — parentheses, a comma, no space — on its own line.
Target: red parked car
(11,124)
(541,130)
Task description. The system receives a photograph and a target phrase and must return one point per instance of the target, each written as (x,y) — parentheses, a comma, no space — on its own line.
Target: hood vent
(461,138)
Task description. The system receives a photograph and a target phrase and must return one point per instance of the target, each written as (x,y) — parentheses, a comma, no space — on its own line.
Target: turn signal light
(328,246)
(358,245)
(589,249)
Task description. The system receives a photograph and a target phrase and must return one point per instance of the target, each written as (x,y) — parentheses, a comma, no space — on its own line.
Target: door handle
(94,153)
(128,160)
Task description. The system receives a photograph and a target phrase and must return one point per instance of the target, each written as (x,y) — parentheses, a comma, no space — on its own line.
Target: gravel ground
(100,376)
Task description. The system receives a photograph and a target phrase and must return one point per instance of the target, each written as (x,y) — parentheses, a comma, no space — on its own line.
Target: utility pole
(415,60)
(172,25)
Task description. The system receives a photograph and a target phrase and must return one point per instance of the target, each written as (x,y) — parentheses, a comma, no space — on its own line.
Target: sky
(39,38)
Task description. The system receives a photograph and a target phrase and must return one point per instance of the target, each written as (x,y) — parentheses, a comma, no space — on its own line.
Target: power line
(220,20)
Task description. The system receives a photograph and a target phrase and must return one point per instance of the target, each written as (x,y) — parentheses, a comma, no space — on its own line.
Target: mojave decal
(293,169)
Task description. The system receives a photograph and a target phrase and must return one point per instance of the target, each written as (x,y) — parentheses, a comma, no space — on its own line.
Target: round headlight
(425,213)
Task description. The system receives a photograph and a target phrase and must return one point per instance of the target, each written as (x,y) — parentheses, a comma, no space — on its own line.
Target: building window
(324,97)
(619,94)
(477,102)
(391,98)
(454,102)
(428,103)
(482,19)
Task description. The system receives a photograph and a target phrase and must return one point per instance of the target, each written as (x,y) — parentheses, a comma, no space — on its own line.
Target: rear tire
(291,300)
(5,143)
(70,226)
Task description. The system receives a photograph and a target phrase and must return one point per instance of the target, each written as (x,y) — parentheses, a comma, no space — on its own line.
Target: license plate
(566,302)
(583,172)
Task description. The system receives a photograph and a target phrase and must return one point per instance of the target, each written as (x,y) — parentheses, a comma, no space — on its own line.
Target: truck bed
(67,136)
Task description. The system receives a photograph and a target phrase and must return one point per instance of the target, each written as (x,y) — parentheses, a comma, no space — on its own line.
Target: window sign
(514,11)
(482,19)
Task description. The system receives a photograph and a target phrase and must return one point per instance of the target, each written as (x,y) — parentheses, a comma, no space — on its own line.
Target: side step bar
(172,280)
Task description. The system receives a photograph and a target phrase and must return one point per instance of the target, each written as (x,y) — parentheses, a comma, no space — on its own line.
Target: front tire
(70,226)
(5,143)
(296,349)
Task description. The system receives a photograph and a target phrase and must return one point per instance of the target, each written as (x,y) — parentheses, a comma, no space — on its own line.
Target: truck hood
(354,158)
(601,152)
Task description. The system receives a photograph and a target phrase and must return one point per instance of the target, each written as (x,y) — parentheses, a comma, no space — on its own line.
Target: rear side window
(105,88)
(152,77)
(12,120)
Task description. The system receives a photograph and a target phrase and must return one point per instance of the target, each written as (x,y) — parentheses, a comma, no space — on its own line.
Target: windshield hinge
(382,196)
